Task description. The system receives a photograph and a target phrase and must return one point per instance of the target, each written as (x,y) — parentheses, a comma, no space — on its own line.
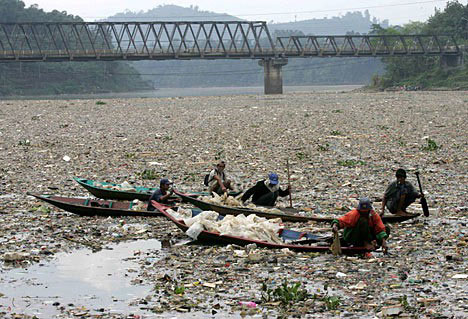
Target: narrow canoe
(113,191)
(288,215)
(94,207)
(297,239)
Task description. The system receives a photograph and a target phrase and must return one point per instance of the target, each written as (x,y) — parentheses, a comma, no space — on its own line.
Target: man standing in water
(399,195)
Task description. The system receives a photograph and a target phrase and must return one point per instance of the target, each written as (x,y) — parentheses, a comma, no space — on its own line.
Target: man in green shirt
(399,195)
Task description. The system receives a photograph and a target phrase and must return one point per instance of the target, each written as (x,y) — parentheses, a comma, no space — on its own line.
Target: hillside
(38,78)
(200,73)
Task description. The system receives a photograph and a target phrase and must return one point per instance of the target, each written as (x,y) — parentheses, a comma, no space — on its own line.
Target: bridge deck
(110,41)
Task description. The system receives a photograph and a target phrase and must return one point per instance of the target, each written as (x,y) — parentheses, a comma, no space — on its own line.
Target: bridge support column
(451,61)
(272,75)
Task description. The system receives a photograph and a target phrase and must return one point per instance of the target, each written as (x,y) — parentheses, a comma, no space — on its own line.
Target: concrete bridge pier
(451,61)
(272,74)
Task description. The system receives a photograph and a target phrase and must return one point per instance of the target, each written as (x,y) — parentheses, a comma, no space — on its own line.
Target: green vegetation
(336,133)
(148,174)
(430,146)
(41,209)
(301,156)
(284,293)
(331,302)
(426,72)
(100,103)
(179,290)
(351,163)
(41,78)
(323,148)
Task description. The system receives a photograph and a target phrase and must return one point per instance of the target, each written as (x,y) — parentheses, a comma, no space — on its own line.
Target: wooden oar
(423,199)
(336,245)
(289,184)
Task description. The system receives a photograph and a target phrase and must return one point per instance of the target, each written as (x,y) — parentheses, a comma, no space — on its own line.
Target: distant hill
(201,73)
(172,13)
(351,22)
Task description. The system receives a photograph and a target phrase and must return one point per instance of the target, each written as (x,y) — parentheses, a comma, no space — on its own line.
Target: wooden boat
(288,215)
(94,207)
(297,241)
(113,191)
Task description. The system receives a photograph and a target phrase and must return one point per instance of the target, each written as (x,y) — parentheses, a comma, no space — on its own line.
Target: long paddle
(289,184)
(423,199)
(336,245)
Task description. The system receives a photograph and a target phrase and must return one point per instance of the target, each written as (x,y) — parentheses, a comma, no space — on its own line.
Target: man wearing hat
(363,227)
(399,194)
(265,192)
(162,194)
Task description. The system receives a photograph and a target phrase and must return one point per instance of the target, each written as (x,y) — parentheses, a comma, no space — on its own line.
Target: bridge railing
(121,40)
(366,45)
(86,41)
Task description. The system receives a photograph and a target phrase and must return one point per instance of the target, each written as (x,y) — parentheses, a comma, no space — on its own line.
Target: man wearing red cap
(363,227)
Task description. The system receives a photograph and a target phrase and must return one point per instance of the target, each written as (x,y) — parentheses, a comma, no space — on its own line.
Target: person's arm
(335,225)
(249,193)
(387,194)
(384,245)
(165,197)
(220,183)
(285,192)
(384,203)
(412,190)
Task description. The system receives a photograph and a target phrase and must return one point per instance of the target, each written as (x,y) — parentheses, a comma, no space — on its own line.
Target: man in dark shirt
(399,194)
(162,194)
(265,192)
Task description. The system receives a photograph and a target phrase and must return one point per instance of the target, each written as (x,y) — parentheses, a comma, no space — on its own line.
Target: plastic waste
(194,230)
(248,304)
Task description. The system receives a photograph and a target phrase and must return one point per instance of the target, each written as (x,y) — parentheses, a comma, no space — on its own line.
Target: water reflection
(97,280)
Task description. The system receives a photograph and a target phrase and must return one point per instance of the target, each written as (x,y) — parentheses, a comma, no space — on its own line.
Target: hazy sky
(397,11)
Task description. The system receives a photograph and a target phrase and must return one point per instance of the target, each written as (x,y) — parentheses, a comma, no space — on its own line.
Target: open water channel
(103,281)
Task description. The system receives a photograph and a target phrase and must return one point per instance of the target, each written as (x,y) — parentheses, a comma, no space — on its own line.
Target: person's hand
(171,191)
(335,228)
(384,246)
(382,212)
(224,189)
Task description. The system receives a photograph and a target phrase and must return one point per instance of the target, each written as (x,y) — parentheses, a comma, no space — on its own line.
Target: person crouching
(363,227)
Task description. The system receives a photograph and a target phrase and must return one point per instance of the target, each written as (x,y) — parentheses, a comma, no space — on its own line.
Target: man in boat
(217,179)
(266,192)
(363,227)
(399,194)
(162,194)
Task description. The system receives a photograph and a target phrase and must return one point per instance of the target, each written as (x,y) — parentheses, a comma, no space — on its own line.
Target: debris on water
(333,159)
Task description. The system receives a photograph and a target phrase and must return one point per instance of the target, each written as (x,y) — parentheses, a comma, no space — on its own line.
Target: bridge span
(133,41)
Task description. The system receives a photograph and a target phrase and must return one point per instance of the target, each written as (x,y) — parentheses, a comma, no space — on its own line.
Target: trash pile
(227,200)
(125,186)
(251,226)
(332,160)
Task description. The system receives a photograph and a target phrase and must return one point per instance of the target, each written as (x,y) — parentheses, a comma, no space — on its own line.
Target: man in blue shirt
(162,194)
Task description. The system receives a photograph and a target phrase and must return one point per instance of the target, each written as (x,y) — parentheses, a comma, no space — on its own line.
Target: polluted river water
(103,281)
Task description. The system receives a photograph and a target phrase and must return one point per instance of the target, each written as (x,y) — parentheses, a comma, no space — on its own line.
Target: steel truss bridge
(88,41)
(132,41)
